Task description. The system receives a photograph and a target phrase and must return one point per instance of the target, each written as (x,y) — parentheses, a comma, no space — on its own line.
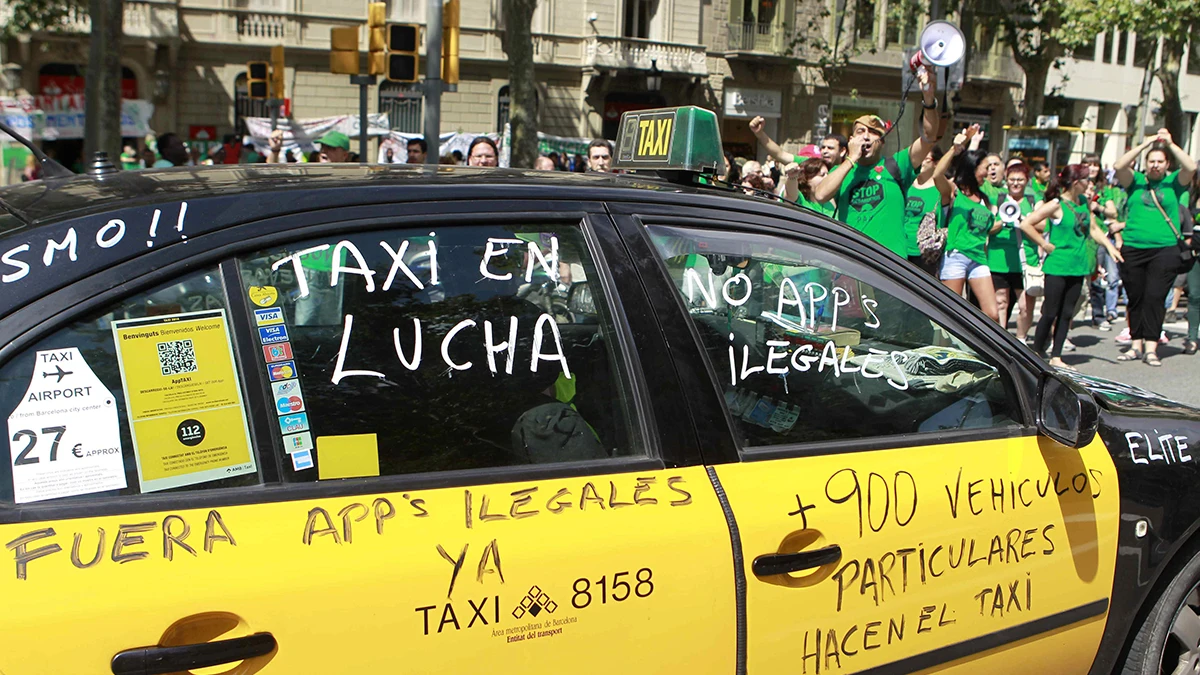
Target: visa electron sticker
(184,400)
(272,334)
(65,433)
(263,296)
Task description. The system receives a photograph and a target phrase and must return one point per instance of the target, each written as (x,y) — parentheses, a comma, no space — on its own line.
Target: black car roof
(47,201)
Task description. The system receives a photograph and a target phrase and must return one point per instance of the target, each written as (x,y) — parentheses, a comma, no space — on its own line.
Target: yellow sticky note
(349,456)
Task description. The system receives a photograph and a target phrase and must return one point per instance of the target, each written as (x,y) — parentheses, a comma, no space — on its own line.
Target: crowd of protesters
(1083,235)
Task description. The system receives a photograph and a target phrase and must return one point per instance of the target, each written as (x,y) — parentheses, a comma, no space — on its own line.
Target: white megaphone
(941,44)
(1010,212)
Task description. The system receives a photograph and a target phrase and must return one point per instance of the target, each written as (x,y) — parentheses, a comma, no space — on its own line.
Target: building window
(864,19)
(1122,46)
(1086,52)
(1143,50)
(1193,64)
(503,103)
(638,15)
(902,19)
(402,103)
(244,106)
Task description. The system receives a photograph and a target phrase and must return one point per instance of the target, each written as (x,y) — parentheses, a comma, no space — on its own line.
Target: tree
(1174,21)
(38,15)
(830,50)
(522,92)
(1030,28)
(102,125)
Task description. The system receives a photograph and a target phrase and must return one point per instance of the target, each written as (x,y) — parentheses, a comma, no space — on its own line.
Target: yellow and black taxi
(365,419)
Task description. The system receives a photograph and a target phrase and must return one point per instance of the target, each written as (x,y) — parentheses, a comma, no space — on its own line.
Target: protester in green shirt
(1004,252)
(1151,258)
(930,193)
(799,181)
(1067,262)
(1041,180)
(992,184)
(970,222)
(869,190)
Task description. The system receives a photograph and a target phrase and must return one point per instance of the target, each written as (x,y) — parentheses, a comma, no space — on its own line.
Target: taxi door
(896,509)
(401,513)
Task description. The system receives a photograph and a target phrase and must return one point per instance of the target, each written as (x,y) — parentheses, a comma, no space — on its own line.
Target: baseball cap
(872,122)
(335,139)
(810,151)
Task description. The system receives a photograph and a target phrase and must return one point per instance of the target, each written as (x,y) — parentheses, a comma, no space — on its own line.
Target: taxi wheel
(1168,641)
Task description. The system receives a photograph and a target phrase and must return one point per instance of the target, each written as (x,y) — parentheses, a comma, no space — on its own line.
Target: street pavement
(1096,354)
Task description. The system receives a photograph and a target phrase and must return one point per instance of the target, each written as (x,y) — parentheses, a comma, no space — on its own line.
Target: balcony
(760,38)
(637,54)
(143,19)
(254,27)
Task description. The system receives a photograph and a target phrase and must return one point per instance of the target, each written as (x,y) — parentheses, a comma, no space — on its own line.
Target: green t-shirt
(872,202)
(993,192)
(1003,256)
(1069,236)
(969,224)
(1037,190)
(825,208)
(919,202)
(1145,226)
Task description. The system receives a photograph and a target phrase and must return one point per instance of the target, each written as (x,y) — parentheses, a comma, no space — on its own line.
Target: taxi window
(407,351)
(142,397)
(808,348)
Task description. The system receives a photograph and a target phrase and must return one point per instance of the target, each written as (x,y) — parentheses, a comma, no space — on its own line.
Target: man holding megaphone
(870,188)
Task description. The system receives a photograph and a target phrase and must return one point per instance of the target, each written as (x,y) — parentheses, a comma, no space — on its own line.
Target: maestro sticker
(263,296)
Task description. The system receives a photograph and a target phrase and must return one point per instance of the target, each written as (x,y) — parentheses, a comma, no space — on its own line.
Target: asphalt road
(1096,354)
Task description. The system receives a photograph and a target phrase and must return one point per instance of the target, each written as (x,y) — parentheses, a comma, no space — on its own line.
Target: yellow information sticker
(349,456)
(183,399)
(263,296)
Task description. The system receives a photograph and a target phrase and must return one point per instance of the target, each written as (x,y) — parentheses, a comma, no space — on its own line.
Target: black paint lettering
(522,498)
(831,645)
(997,494)
(344,514)
(846,638)
(883,575)
(23,555)
(868,581)
(815,654)
(801,510)
(1046,536)
(893,629)
(1021,493)
(311,530)
(839,575)
(384,510)
(78,562)
(457,563)
(1096,475)
(869,631)
(557,503)
(127,536)
(467,503)
(170,540)
(953,496)
(643,485)
(210,531)
(484,516)
(972,492)
(1026,540)
(942,618)
(492,552)
(982,597)
(903,554)
(612,497)
(925,615)
(584,498)
(687,496)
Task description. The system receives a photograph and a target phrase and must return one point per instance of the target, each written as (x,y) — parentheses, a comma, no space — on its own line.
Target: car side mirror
(1066,411)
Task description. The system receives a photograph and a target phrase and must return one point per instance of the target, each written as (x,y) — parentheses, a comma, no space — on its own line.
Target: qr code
(177,357)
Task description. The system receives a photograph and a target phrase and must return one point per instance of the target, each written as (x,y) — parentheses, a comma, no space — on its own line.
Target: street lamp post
(654,78)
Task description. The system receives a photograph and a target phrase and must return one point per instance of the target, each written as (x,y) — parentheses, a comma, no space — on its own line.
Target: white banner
(52,118)
(304,133)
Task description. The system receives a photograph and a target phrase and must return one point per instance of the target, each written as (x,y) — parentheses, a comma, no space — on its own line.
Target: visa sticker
(289,404)
(263,296)
(290,424)
(268,317)
(302,460)
(272,334)
(297,442)
(282,371)
(277,352)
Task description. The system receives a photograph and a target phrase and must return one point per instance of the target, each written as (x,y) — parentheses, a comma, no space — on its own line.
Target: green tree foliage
(27,16)
(1176,22)
(522,88)
(1031,29)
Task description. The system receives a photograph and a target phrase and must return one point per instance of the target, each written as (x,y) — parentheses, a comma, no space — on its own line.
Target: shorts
(1006,280)
(958,266)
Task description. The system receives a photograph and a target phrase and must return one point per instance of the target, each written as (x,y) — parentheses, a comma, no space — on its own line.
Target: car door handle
(159,660)
(783,563)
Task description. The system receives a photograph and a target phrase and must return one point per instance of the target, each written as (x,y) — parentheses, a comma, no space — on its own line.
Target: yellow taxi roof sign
(670,139)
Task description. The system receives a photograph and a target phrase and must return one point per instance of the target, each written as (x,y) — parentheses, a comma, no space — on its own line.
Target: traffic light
(256,79)
(403,39)
(376,38)
(277,72)
(450,42)
(343,50)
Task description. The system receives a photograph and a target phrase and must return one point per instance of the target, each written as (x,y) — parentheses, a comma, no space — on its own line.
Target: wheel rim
(1181,652)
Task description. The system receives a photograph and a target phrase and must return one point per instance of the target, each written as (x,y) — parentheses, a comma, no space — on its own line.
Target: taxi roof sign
(669,139)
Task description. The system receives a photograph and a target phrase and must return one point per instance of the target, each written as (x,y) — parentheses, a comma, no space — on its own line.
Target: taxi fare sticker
(65,433)
(184,400)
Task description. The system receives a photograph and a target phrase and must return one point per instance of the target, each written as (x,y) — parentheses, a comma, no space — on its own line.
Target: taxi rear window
(409,350)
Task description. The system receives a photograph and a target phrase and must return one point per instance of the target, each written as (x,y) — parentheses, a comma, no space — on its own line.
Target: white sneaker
(1068,346)
(1163,339)
(1123,338)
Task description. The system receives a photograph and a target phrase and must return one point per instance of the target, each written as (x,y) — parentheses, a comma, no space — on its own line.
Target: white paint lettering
(461,325)
(495,248)
(773,355)
(549,265)
(739,278)
(67,244)
(339,373)
(21,266)
(301,281)
(399,265)
(691,281)
(493,348)
(559,355)
(416,358)
(363,270)
(102,242)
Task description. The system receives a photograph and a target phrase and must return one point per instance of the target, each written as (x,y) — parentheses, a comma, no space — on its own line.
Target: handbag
(931,239)
(1186,257)
(1033,277)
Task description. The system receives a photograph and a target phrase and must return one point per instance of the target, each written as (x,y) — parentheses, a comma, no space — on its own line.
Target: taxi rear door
(896,509)
(428,489)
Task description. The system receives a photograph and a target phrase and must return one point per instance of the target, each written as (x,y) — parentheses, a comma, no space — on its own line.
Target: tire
(1168,640)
